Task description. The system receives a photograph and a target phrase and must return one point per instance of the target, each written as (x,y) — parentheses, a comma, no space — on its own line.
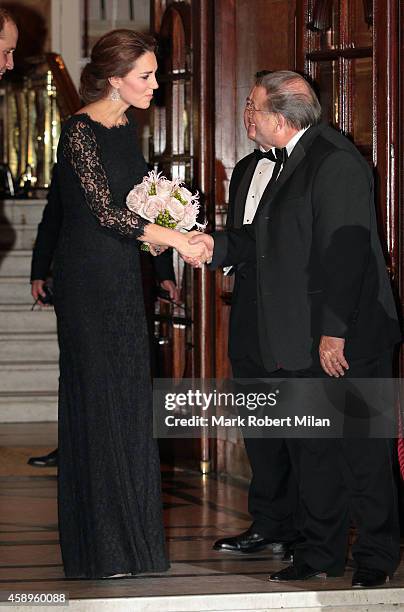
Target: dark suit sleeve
(235,179)
(234,246)
(163,266)
(48,232)
(342,200)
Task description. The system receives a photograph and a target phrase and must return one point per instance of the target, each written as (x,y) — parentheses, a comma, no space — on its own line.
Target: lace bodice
(80,148)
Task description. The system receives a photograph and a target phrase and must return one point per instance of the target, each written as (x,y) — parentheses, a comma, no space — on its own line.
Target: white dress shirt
(259,181)
(261,178)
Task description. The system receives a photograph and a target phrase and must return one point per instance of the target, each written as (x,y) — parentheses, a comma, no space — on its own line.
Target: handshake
(194,247)
(198,249)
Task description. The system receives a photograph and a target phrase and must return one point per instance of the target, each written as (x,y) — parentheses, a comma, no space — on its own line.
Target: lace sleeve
(80,149)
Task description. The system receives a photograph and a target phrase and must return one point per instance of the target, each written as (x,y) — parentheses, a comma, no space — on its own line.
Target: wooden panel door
(182,146)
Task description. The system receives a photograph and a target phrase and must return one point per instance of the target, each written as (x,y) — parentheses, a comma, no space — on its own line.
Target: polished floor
(198,510)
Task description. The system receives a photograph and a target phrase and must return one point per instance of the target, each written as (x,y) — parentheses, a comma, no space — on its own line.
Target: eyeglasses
(250,108)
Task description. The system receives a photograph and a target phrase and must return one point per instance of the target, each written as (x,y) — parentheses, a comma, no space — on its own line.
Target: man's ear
(115,82)
(280,122)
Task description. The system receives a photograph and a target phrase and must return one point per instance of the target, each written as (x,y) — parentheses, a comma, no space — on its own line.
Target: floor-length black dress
(110,514)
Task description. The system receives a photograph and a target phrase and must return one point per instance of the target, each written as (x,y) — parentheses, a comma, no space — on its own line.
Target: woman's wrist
(163,236)
(177,240)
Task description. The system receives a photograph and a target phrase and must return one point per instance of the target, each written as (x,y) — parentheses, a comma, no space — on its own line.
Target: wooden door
(182,146)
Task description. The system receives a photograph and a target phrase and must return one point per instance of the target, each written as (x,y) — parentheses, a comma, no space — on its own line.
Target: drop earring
(115,95)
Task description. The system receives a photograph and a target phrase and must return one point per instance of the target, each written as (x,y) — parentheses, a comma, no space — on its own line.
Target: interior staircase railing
(31,114)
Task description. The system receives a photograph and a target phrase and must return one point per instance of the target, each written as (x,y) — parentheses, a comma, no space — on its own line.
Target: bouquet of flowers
(164,202)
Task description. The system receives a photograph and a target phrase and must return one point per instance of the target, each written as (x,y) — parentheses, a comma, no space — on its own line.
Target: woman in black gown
(110,516)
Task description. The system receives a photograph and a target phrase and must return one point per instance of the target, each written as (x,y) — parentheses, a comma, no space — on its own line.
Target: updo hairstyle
(114,54)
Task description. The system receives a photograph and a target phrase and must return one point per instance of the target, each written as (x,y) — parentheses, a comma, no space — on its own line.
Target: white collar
(292,142)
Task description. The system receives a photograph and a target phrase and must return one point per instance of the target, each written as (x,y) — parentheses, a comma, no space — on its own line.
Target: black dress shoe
(247,542)
(50,460)
(297,572)
(366,578)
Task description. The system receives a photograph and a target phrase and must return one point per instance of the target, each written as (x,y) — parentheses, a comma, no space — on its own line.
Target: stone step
(29,377)
(12,308)
(15,263)
(28,407)
(28,348)
(15,290)
(21,212)
(243,593)
(19,236)
(15,320)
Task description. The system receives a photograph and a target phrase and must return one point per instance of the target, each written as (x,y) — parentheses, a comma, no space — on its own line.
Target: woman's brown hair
(114,54)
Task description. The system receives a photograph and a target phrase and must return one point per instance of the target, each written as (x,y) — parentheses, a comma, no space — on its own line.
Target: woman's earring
(115,95)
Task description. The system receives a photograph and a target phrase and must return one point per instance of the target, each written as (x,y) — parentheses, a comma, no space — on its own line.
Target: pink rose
(153,206)
(136,198)
(185,193)
(189,218)
(176,209)
(163,188)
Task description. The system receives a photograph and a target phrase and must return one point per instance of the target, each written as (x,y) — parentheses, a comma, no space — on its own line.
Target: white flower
(176,209)
(185,194)
(189,218)
(163,188)
(136,198)
(153,206)
(152,177)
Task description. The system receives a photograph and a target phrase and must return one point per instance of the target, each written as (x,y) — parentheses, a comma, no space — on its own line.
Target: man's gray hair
(290,95)
(5,15)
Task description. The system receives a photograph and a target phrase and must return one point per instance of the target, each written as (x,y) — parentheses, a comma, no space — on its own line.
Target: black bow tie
(275,155)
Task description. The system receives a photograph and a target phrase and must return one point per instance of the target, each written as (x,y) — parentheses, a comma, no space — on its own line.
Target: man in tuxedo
(42,256)
(272,493)
(325,309)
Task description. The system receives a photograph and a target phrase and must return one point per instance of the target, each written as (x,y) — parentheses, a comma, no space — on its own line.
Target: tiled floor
(198,510)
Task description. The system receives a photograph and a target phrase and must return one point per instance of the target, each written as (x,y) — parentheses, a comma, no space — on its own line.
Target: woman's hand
(194,254)
(205,239)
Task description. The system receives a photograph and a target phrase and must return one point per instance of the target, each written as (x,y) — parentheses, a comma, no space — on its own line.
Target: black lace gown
(110,514)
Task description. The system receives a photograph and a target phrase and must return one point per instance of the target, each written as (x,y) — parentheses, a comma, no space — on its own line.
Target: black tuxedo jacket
(320,266)
(243,325)
(48,235)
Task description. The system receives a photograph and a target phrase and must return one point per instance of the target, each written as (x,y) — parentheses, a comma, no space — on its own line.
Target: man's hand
(332,357)
(37,290)
(202,239)
(173,290)
(194,253)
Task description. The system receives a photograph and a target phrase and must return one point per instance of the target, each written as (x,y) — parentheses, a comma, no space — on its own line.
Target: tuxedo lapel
(297,155)
(294,160)
(242,192)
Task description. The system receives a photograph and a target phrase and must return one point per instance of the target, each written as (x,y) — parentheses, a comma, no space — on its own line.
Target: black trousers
(272,495)
(339,481)
(347,480)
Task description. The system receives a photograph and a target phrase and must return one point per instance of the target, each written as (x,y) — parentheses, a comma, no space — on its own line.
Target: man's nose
(10,61)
